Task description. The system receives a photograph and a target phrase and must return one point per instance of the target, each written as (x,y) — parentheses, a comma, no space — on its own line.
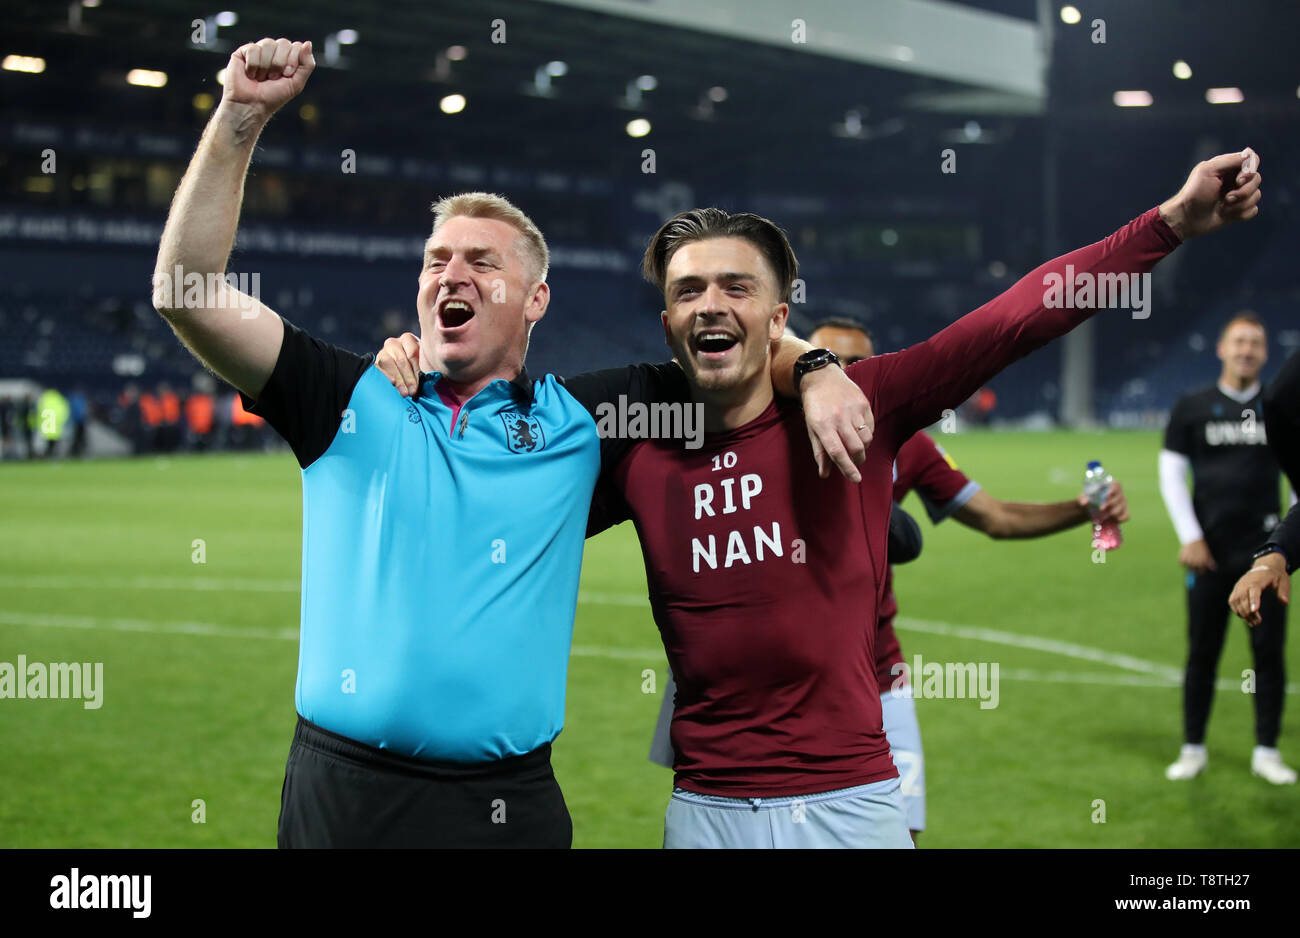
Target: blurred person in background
(25,420)
(222,421)
(199,410)
(979,409)
(7,435)
(1218,434)
(1277,559)
(245,427)
(150,421)
(167,437)
(127,418)
(51,418)
(78,416)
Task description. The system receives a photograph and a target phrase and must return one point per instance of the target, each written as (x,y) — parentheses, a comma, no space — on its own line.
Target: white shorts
(863,817)
(904,734)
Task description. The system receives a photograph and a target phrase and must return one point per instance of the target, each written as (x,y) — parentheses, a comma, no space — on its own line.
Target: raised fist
(1222,190)
(267,74)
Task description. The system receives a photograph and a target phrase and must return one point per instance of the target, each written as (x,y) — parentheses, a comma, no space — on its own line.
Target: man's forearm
(200,229)
(999,519)
(1178,499)
(1286,538)
(1020,519)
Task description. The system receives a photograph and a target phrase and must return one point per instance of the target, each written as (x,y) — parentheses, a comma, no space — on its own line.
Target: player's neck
(465,384)
(735,407)
(1236,382)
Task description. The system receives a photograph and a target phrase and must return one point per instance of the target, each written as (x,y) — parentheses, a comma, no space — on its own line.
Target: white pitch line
(1088,677)
(1038,643)
(42,620)
(161,583)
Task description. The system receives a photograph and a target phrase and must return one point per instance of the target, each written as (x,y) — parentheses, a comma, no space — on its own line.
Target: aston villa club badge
(523,432)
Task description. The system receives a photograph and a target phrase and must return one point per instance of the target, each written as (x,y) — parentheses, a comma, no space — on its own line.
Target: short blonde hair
(532,246)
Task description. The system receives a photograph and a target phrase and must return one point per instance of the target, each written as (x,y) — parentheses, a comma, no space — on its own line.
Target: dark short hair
(700,224)
(1244,316)
(844,322)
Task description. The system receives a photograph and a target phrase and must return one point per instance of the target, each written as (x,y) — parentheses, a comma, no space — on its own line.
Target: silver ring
(863,427)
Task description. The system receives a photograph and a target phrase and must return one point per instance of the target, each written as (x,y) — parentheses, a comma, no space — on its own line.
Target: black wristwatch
(812,360)
(1274,549)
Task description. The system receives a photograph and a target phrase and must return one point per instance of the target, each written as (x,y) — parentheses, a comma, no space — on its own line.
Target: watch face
(811,361)
(816,358)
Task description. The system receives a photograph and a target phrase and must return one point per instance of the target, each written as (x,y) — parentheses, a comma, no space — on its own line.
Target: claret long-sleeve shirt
(765,580)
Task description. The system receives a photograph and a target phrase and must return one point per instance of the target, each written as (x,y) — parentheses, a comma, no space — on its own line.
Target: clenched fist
(1219,191)
(266,75)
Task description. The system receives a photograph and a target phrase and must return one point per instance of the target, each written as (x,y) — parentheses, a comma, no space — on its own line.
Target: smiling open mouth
(715,343)
(455,314)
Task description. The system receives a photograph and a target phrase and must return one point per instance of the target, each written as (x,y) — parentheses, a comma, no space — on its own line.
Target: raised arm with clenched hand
(230,331)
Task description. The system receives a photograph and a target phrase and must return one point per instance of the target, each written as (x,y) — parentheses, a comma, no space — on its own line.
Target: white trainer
(1268,765)
(1191,763)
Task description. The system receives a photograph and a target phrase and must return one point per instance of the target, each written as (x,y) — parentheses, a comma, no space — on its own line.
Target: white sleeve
(1178,500)
(661,747)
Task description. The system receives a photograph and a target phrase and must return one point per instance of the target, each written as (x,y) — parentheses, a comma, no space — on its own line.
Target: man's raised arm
(231,332)
(912,388)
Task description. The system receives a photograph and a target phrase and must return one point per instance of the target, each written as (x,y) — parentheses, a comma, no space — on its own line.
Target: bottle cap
(1094,465)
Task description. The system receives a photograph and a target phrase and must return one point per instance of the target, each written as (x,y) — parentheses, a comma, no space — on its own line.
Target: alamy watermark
(75,680)
(641,421)
(1087,290)
(177,289)
(953,680)
(88,891)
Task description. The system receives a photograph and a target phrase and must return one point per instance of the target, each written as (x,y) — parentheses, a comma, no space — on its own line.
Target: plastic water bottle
(1096,486)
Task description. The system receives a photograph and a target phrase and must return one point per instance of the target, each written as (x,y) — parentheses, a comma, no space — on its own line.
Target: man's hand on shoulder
(399,360)
(840,421)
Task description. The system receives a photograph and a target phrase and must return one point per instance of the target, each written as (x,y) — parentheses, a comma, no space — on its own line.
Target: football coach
(442,535)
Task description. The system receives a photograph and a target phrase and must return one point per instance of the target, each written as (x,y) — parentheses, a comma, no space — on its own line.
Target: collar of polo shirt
(521,386)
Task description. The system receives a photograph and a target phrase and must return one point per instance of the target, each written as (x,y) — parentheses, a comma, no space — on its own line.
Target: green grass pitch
(96,564)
